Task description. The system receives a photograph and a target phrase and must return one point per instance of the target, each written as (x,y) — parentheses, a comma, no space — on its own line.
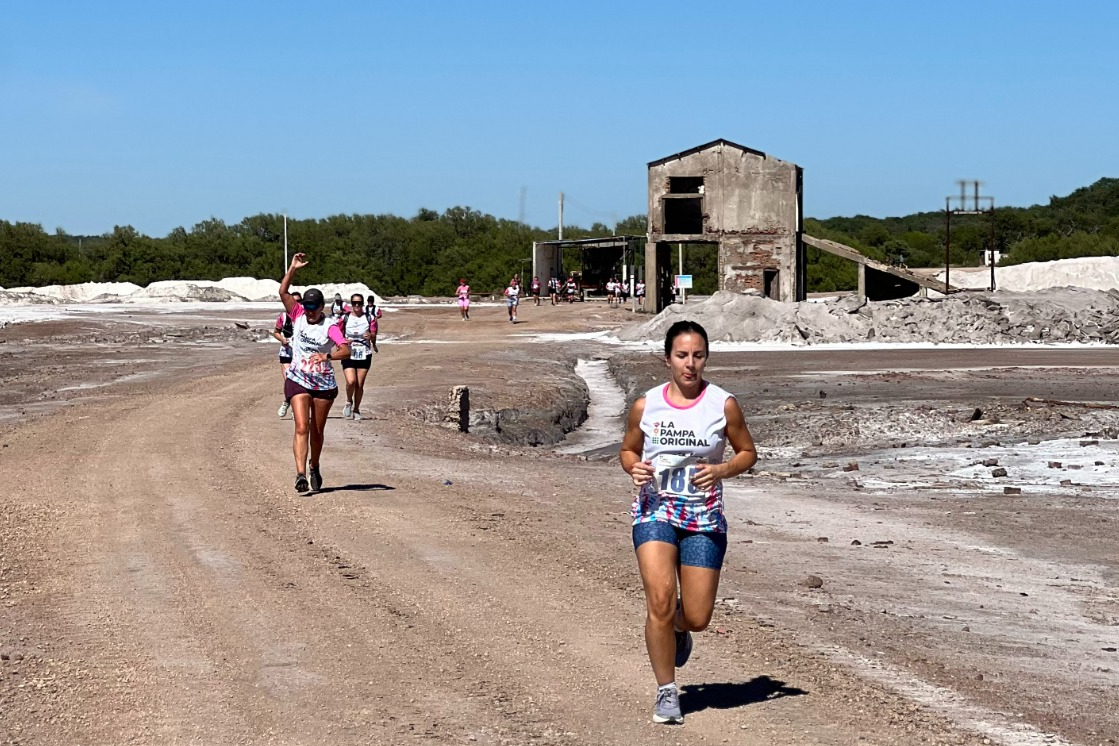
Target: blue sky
(160,115)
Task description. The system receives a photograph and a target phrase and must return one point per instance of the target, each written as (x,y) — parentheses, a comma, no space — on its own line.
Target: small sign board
(684,282)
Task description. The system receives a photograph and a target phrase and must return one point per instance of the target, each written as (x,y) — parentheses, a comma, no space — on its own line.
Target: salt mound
(25,297)
(1095,272)
(178,291)
(81,293)
(251,288)
(1058,314)
(238,289)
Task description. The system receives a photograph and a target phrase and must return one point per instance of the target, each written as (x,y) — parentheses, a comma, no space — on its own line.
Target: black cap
(313,298)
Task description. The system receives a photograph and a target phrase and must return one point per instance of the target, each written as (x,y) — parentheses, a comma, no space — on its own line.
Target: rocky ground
(160,582)
(970,317)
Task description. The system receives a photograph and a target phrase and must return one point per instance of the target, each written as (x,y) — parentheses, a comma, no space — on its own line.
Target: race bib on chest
(674,474)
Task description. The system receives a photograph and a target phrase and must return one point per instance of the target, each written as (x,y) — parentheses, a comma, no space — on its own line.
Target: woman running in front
(673,450)
(357,327)
(310,385)
(463,299)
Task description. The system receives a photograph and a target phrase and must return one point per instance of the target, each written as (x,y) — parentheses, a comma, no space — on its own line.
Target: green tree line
(424,255)
(1084,223)
(427,253)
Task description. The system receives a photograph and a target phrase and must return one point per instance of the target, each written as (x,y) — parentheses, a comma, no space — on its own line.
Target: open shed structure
(600,259)
(748,203)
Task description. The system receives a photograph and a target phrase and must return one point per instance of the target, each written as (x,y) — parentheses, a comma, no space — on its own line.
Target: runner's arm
(297,261)
(633,444)
(745,454)
(342,349)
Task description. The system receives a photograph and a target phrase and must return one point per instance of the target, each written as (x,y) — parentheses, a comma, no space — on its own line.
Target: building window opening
(683,217)
(685,185)
(771,284)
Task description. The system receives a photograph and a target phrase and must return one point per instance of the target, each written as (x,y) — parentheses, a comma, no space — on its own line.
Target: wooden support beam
(864,261)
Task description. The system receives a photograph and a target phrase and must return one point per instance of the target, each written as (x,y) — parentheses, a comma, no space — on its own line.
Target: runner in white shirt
(617,293)
(357,328)
(512,296)
(673,451)
(337,307)
(310,386)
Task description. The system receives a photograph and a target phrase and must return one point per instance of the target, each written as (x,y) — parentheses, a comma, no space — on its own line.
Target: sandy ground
(161,582)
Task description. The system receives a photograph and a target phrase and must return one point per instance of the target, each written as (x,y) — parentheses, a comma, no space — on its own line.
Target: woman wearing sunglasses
(357,327)
(310,386)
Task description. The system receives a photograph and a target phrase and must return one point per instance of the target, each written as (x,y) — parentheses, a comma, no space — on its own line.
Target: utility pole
(976,205)
(683,292)
(286,265)
(561,216)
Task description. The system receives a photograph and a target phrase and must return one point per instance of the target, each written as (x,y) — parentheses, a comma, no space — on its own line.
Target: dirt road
(160,581)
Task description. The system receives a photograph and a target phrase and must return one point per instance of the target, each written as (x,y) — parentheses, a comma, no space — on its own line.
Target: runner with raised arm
(310,386)
(673,450)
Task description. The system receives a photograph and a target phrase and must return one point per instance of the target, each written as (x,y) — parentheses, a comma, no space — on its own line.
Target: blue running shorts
(696,548)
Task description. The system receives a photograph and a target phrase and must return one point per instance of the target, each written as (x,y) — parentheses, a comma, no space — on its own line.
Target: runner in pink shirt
(464,299)
(310,386)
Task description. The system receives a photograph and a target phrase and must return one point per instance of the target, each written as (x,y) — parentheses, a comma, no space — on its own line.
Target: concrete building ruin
(751,207)
(748,203)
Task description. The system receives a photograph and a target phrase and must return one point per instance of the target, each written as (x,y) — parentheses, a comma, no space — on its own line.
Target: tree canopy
(427,253)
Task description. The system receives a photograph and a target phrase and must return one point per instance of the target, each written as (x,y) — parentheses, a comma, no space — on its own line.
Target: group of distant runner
(569,290)
(673,451)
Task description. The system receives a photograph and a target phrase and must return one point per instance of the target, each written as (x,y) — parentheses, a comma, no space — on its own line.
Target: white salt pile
(231,289)
(1059,314)
(1095,272)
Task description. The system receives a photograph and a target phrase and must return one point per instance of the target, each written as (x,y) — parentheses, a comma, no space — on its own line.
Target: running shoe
(348,410)
(283,410)
(683,646)
(316,478)
(301,483)
(357,415)
(667,708)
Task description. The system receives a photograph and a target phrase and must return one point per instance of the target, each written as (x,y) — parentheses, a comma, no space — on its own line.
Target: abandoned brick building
(746,202)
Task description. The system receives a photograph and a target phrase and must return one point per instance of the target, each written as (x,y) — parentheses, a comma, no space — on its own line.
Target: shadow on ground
(725,696)
(354,488)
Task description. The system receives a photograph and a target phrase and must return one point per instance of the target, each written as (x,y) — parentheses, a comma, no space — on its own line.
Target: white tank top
(355,327)
(677,441)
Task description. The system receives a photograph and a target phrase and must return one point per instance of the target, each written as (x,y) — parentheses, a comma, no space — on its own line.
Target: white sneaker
(283,410)
(357,415)
(348,411)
